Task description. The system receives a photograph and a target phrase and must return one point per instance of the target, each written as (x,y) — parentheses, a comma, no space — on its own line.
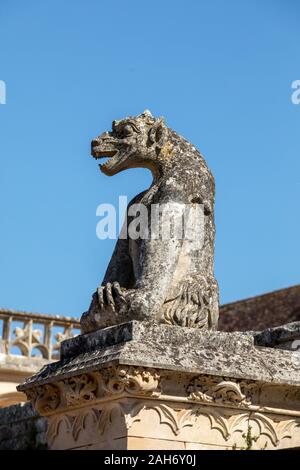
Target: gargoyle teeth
(103,153)
(103,164)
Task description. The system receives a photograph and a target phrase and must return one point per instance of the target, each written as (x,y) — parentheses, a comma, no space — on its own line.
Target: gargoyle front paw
(137,305)
(110,295)
(107,302)
(112,304)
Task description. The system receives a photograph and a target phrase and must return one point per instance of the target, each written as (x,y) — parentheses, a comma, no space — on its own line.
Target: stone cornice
(116,382)
(163,347)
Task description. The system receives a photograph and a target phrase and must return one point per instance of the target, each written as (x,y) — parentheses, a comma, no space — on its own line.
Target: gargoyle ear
(157,133)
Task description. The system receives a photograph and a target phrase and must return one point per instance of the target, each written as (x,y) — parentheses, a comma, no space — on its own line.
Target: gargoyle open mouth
(110,154)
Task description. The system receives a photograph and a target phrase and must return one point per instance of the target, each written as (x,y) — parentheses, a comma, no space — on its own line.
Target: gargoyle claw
(110,295)
(118,291)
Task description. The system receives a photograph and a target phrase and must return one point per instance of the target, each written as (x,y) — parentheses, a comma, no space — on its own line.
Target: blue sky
(219,71)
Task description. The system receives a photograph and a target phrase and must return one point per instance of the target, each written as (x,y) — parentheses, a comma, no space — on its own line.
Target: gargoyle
(165,280)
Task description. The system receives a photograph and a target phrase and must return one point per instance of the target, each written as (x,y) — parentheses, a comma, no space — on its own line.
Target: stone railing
(34,335)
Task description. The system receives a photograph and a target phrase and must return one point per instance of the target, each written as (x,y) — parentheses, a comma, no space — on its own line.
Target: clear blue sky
(219,71)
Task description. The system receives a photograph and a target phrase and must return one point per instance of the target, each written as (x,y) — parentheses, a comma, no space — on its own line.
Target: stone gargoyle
(153,278)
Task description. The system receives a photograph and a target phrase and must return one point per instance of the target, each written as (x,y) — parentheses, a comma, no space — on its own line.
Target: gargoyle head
(134,142)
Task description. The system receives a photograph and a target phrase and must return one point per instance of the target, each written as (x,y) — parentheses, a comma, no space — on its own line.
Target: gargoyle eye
(127,130)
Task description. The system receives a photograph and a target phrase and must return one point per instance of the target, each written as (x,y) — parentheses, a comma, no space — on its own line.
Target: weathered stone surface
(102,339)
(21,428)
(284,336)
(173,348)
(133,407)
(143,385)
(168,280)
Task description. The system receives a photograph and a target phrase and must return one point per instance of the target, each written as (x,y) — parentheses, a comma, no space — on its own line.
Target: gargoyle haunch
(153,279)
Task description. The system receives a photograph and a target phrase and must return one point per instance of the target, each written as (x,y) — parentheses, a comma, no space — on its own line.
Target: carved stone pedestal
(141,386)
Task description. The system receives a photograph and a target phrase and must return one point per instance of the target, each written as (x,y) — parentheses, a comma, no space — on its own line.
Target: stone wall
(21,428)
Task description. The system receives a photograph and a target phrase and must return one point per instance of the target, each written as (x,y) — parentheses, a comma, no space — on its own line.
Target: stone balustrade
(28,341)
(31,334)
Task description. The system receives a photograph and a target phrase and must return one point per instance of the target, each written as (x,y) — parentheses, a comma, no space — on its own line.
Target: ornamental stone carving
(133,380)
(98,408)
(153,277)
(225,428)
(209,389)
(45,398)
(83,389)
(79,389)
